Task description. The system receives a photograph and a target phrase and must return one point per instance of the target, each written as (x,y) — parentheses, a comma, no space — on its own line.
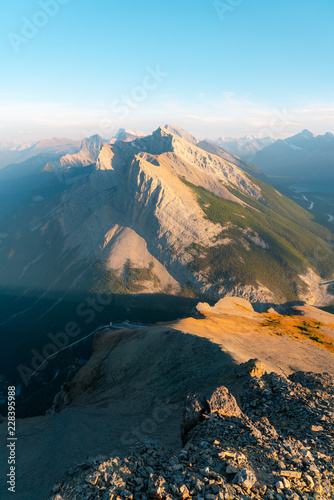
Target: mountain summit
(88,153)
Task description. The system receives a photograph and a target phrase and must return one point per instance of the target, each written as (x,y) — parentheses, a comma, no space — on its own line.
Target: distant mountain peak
(180,132)
(244,147)
(127,134)
(93,139)
(307,134)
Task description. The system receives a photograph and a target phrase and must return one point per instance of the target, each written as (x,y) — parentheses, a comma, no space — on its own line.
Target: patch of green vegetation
(311,335)
(308,329)
(168,289)
(294,242)
(273,322)
(188,290)
(130,280)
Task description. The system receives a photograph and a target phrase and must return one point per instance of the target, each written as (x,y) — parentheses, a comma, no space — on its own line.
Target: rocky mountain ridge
(148,192)
(202,392)
(276,442)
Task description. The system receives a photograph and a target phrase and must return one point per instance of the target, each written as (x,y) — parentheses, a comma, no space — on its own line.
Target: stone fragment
(309,481)
(93,478)
(230,469)
(245,478)
(184,492)
(286,482)
(290,473)
(316,428)
(279,485)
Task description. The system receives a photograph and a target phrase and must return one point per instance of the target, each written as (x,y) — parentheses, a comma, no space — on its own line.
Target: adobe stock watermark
(152,79)
(122,107)
(225,7)
(31,27)
(278,123)
(62,340)
(160,414)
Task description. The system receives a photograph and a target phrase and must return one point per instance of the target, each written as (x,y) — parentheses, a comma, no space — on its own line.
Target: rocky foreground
(276,442)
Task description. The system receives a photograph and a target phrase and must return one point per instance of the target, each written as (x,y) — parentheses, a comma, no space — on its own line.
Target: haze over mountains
(301,156)
(244,147)
(18,153)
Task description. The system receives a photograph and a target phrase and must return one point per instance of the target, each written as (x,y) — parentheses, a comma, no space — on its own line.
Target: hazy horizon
(46,137)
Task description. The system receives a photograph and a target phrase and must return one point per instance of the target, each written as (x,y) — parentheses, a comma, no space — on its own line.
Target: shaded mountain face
(244,147)
(302,156)
(161,214)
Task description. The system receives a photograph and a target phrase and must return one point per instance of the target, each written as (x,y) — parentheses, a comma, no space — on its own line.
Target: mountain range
(302,156)
(166,212)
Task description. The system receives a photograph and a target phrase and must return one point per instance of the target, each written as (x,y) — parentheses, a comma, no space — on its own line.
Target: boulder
(224,403)
(245,478)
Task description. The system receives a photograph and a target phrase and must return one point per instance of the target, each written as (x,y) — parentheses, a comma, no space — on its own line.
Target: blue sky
(217,67)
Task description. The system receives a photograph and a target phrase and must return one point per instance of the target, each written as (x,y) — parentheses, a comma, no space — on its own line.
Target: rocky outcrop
(194,409)
(197,406)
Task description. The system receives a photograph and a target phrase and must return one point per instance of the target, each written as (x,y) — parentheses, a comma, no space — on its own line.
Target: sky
(73,68)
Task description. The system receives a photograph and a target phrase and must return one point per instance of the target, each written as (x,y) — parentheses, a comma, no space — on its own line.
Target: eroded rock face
(61,400)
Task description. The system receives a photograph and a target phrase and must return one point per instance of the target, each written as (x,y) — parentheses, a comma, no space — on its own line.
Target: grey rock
(245,478)
(224,403)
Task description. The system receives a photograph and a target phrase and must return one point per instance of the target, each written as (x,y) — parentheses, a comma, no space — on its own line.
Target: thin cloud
(226,115)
